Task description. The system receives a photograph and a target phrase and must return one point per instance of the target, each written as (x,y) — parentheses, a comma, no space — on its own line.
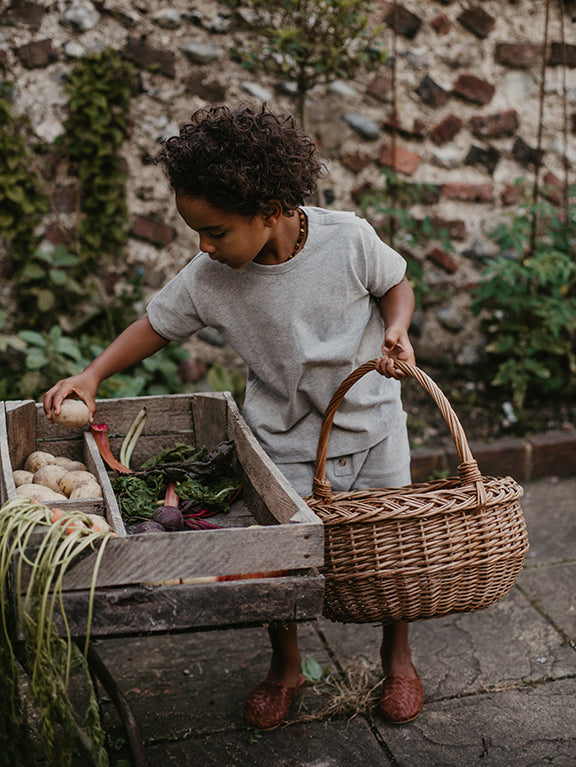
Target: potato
(99,523)
(69,463)
(37,460)
(22,477)
(86,489)
(73,413)
(49,476)
(70,479)
(39,493)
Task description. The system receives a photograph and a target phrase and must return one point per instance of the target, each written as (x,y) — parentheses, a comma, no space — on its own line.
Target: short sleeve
(385,267)
(171,312)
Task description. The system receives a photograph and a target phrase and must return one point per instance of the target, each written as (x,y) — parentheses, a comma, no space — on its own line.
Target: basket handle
(468,471)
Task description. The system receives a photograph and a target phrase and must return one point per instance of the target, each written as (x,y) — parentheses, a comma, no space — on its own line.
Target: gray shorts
(386,464)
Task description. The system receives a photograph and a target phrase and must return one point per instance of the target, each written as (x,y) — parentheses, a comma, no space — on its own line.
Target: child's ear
(274,213)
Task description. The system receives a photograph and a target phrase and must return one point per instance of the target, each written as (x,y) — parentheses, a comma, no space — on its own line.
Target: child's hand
(83,385)
(396,345)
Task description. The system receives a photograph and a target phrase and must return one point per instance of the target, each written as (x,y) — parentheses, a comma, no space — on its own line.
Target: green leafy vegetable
(216,494)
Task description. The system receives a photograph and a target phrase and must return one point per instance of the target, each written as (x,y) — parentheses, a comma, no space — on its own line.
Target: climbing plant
(99,91)
(526,300)
(22,198)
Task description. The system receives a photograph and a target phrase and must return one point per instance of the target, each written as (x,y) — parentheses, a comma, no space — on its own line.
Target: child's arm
(137,342)
(397,308)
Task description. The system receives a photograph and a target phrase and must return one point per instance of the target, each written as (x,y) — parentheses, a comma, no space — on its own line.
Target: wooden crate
(269,528)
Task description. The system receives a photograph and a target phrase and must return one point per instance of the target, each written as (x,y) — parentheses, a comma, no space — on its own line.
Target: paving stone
(195,683)
(340,744)
(509,643)
(513,728)
(552,589)
(550,512)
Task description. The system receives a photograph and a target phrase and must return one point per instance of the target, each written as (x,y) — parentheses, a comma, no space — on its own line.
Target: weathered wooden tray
(139,585)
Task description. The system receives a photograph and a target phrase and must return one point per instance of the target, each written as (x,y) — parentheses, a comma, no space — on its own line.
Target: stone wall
(463,101)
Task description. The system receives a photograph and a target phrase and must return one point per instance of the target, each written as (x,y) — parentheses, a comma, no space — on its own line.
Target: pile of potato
(46,477)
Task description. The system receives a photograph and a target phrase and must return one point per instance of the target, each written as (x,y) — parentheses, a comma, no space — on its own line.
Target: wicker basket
(421,551)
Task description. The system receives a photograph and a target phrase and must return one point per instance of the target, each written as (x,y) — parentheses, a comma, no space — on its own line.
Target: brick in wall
(446,130)
(524,153)
(469,192)
(356,161)
(488,157)
(518,55)
(431,93)
(399,159)
(145,55)
(23,14)
(152,231)
(477,21)
(417,131)
(381,88)
(197,85)
(511,194)
(401,20)
(494,125)
(37,54)
(473,89)
(441,24)
(439,256)
(562,55)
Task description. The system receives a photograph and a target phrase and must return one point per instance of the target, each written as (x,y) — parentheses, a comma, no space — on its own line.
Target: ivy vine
(99,90)
(22,199)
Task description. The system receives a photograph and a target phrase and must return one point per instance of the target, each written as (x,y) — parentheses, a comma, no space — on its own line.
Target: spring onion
(48,656)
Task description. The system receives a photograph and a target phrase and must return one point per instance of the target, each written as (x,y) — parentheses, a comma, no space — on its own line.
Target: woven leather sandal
(269,703)
(402,699)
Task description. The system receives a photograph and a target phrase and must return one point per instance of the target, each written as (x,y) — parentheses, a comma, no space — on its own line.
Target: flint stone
(82,16)
(167,18)
(258,91)
(201,53)
(367,128)
(451,319)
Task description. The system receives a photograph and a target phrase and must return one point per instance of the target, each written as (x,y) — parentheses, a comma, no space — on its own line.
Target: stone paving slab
(529,727)
(194,683)
(552,591)
(334,744)
(500,685)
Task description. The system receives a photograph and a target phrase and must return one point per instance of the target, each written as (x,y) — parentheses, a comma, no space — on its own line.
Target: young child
(304,295)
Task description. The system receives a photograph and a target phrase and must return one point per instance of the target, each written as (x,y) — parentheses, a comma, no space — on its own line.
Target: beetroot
(169,517)
(149,526)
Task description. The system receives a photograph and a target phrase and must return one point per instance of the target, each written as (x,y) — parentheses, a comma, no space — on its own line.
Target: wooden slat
(191,554)
(209,413)
(147,610)
(20,431)
(112,510)
(7,487)
(267,481)
(163,413)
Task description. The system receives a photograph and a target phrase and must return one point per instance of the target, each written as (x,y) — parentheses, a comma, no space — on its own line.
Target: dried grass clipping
(354,692)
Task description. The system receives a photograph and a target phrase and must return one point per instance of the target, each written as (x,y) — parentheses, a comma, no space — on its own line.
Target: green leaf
(312,670)
(36,359)
(45,300)
(32,337)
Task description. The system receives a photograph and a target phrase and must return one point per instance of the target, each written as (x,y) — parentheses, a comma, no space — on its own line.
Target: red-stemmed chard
(100,434)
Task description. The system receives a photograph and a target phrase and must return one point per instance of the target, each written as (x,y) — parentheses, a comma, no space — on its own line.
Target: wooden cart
(155,583)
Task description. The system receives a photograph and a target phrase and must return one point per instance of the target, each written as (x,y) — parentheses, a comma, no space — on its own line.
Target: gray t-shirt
(301,327)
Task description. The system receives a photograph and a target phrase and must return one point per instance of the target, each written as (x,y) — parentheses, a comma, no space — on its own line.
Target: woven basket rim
(434,498)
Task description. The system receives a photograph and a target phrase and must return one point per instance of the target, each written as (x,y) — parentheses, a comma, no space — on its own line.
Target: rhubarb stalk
(100,434)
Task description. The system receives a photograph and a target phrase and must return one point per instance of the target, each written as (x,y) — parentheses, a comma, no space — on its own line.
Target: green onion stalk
(48,657)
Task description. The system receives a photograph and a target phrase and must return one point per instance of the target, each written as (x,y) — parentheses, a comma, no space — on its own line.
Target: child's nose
(206,245)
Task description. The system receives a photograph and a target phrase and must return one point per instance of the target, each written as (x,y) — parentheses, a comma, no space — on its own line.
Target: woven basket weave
(421,551)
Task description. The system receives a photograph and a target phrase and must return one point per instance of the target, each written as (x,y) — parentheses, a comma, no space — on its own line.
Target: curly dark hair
(240,159)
